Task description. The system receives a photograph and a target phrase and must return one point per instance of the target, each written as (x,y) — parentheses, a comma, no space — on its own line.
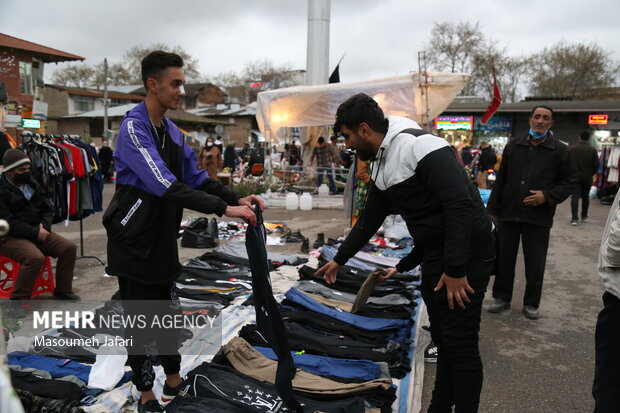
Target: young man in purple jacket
(157,176)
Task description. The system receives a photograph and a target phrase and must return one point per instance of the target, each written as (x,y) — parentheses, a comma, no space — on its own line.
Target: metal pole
(105,100)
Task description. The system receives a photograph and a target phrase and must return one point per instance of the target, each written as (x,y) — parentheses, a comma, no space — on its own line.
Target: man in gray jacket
(607,339)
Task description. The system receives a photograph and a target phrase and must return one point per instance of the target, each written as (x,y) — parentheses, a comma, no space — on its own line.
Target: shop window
(83,103)
(25,78)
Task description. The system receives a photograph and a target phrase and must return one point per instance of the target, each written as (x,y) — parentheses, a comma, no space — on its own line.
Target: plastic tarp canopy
(301,106)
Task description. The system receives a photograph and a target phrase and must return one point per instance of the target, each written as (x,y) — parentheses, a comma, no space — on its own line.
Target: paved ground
(530,366)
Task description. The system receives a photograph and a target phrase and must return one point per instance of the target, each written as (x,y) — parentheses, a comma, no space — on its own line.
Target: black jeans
(458,381)
(607,357)
(535,241)
(582,190)
(169,357)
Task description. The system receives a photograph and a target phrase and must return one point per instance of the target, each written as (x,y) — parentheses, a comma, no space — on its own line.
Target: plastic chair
(9,269)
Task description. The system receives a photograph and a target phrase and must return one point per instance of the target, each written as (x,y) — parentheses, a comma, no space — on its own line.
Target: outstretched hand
(330,271)
(456,288)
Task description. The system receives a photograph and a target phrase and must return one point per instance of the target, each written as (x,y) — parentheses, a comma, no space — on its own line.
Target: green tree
(567,70)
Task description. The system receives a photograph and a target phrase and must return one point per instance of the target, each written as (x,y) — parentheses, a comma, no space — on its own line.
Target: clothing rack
(30,140)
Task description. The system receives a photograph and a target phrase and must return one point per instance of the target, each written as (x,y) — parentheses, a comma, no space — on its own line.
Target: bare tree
(452,46)
(566,70)
(133,57)
(255,77)
(76,75)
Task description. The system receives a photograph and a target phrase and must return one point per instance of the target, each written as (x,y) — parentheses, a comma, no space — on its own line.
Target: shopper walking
(587,162)
(537,173)
(210,158)
(157,176)
(417,175)
(325,163)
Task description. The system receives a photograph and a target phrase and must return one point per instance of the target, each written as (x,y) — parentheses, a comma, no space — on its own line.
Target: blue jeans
(330,175)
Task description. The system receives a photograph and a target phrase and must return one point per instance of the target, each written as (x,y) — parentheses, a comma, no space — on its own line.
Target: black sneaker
(530,312)
(574,222)
(70,296)
(498,306)
(169,393)
(430,354)
(149,407)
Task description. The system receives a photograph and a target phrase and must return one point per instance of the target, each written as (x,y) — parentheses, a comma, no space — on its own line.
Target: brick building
(21,79)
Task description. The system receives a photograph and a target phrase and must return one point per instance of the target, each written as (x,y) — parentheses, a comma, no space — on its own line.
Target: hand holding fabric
(456,288)
(388,273)
(253,200)
(242,211)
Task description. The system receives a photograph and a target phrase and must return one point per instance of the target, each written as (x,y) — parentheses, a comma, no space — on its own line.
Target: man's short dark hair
(156,62)
(544,107)
(321,139)
(360,108)
(584,135)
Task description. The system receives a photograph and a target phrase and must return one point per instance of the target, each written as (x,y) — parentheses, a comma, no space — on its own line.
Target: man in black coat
(30,237)
(537,173)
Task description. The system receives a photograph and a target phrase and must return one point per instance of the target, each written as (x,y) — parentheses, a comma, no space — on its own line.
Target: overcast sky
(381,38)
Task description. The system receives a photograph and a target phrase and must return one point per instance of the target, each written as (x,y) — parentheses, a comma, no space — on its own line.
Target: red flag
(495,101)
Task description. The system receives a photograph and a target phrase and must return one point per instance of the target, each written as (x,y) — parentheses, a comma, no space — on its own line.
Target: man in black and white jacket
(417,175)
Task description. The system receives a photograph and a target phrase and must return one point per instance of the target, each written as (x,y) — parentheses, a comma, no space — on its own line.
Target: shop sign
(12,121)
(597,119)
(39,110)
(31,123)
(454,122)
(496,123)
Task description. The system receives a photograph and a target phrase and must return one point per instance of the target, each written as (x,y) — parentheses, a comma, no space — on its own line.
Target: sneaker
(530,312)
(498,306)
(584,219)
(70,296)
(430,354)
(169,393)
(149,407)
(574,222)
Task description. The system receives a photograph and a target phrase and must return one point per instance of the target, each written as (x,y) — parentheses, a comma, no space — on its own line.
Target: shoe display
(530,312)
(169,393)
(430,354)
(70,296)
(498,306)
(150,406)
(320,241)
(574,222)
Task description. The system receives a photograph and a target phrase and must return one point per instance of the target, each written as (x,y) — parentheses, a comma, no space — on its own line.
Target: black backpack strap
(416,132)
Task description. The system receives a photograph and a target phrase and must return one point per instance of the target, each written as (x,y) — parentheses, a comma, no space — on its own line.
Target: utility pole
(426,117)
(105,100)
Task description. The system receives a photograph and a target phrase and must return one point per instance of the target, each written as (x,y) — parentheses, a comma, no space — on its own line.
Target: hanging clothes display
(69,172)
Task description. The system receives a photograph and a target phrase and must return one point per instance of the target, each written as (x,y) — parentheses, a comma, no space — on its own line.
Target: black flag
(335,76)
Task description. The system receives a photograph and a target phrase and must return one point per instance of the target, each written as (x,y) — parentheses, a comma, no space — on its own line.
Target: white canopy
(300,106)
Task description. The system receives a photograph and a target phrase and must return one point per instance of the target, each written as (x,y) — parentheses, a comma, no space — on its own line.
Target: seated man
(30,238)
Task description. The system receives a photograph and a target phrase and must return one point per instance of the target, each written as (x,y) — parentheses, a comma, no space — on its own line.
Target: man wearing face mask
(537,173)
(30,238)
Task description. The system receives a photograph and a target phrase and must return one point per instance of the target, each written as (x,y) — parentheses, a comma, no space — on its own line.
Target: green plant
(251,186)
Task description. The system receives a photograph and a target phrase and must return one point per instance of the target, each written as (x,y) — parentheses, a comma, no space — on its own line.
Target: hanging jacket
(419,177)
(24,216)
(156,179)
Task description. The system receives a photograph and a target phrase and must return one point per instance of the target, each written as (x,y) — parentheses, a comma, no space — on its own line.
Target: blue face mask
(537,136)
